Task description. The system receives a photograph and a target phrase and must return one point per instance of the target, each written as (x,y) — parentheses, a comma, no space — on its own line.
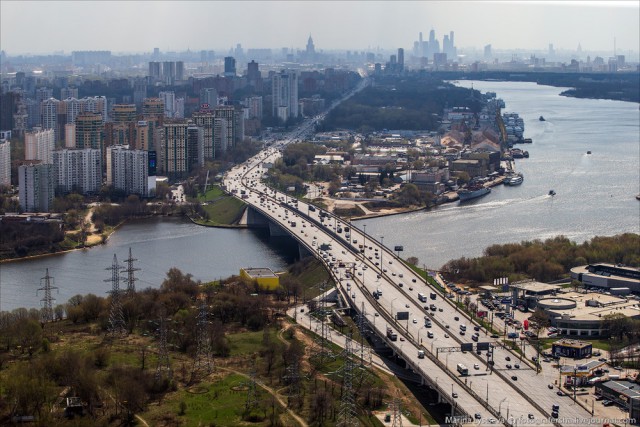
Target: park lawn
(220,403)
(212,193)
(224,211)
(246,343)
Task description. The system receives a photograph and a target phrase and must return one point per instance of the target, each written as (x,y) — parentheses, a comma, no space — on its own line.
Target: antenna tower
(203,363)
(117,326)
(47,308)
(130,279)
(347,415)
(163,352)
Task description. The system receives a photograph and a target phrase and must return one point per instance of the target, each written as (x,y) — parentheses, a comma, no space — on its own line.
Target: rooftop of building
(624,387)
(601,305)
(614,271)
(259,273)
(566,342)
(534,287)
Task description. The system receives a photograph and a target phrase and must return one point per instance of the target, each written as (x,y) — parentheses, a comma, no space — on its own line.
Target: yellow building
(265,278)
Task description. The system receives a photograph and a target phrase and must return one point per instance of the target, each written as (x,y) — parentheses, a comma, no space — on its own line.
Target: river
(595,196)
(595,192)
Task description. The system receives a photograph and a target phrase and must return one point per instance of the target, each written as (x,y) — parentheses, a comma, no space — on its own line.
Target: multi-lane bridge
(430,332)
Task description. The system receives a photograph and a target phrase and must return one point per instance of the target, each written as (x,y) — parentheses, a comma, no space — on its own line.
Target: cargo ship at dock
(473,192)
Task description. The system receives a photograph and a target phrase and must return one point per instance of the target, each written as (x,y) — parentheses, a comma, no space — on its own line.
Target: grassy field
(224,211)
(220,402)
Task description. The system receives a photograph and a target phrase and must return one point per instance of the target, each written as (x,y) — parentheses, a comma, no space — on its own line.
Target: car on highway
(446,335)
(456,318)
(516,366)
(513,377)
(560,393)
(508,366)
(454,395)
(415,320)
(508,359)
(476,366)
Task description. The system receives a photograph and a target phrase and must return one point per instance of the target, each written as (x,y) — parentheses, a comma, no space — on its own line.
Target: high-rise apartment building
(169,101)
(254,104)
(285,92)
(123,113)
(139,91)
(154,70)
(89,131)
(70,135)
(172,156)
(39,145)
(209,96)
(205,120)
(78,169)
(5,162)
(72,107)
(50,109)
(227,131)
(195,147)
(400,59)
(128,170)
(95,104)
(36,184)
(153,107)
(69,92)
(229,66)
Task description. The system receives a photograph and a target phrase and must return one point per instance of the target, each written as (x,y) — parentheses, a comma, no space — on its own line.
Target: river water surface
(595,196)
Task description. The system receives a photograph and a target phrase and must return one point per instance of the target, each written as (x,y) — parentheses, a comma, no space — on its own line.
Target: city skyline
(36,27)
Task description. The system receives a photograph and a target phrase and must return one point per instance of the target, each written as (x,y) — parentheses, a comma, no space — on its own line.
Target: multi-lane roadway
(498,386)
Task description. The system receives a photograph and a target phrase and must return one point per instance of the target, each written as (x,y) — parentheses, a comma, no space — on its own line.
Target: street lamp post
(432,343)
(381,251)
(500,406)
(392,306)
(364,240)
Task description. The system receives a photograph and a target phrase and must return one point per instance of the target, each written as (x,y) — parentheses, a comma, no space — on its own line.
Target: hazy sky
(48,26)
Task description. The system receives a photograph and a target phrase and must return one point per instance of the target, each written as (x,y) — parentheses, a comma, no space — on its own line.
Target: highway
(511,392)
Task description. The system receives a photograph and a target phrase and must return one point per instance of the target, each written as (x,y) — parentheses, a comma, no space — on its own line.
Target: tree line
(546,260)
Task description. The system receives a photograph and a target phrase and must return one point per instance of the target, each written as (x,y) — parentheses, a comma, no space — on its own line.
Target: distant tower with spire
(311,50)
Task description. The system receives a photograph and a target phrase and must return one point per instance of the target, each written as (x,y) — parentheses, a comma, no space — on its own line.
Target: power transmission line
(117,327)
(47,308)
(130,279)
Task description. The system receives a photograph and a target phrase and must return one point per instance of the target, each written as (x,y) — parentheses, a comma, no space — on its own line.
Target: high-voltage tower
(365,350)
(294,381)
(322,350)
(252,394)
(130,279)
(47,301)
(203,363)
(117,326)
(347,416)
(164,367)
(396,417)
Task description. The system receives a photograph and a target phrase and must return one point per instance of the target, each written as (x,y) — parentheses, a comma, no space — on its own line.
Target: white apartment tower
(128,170)
(5,162)
(78,169)
(284,92)
(49,115)
(36,183)
(39,145)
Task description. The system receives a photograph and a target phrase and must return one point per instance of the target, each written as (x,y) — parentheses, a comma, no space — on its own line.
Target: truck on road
(392,335)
